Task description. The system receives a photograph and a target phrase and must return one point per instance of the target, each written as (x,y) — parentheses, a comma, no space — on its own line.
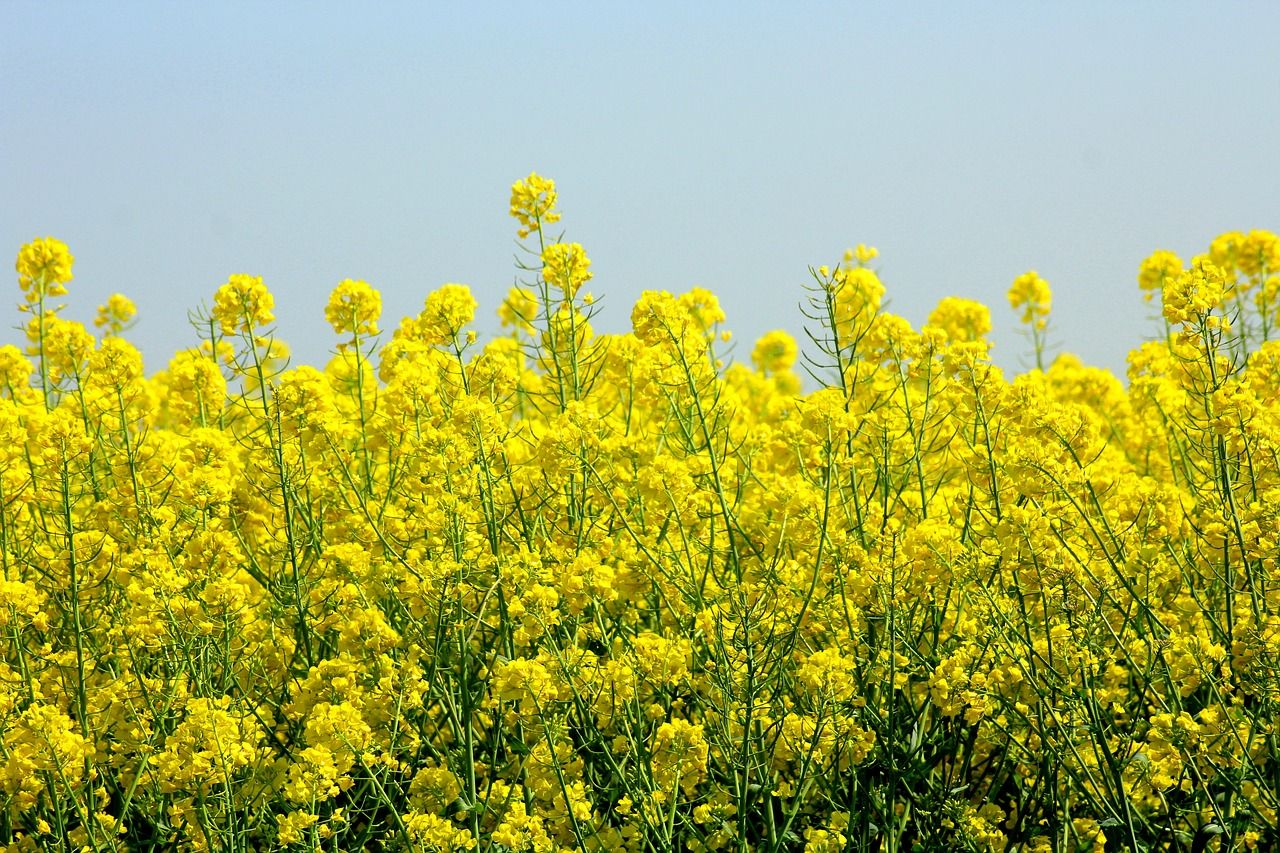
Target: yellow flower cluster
(354,307)
(564,591)
(566,267)
(1194,294)
(44,267)
(115,315)
(243,304)
(775,352)
(1030,294)
(533,203)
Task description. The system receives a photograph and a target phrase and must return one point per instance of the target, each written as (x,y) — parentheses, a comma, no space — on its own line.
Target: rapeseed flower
(575,590)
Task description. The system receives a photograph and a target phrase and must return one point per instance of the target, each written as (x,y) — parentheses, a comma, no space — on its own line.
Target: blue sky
(728,145)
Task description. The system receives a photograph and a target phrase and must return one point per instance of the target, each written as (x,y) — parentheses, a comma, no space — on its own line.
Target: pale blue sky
(729,145)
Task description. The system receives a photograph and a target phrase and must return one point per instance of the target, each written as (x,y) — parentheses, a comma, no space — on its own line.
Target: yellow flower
(41,744)
(196,388)
(829,674)
(1194,294)
(209,747)
(1160,267)
(1224,251)
(447,311)
(1259,254)
(44,266)
(704,307)
(115,315)
(1031,293)
(434,788)
(21,603)
(292,828)
(661,660)
(570,589)
(243,304)
(775,352)
(434,834)
(354,307)
(857,294)
(679,755)
(519,309)
(961,320)
(658,318)
(525,681)
(533,202)
(566,266)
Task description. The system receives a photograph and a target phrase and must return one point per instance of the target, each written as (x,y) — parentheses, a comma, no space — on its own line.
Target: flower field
(561,591)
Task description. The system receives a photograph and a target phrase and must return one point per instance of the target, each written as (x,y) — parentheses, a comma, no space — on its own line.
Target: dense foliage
(563,591)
